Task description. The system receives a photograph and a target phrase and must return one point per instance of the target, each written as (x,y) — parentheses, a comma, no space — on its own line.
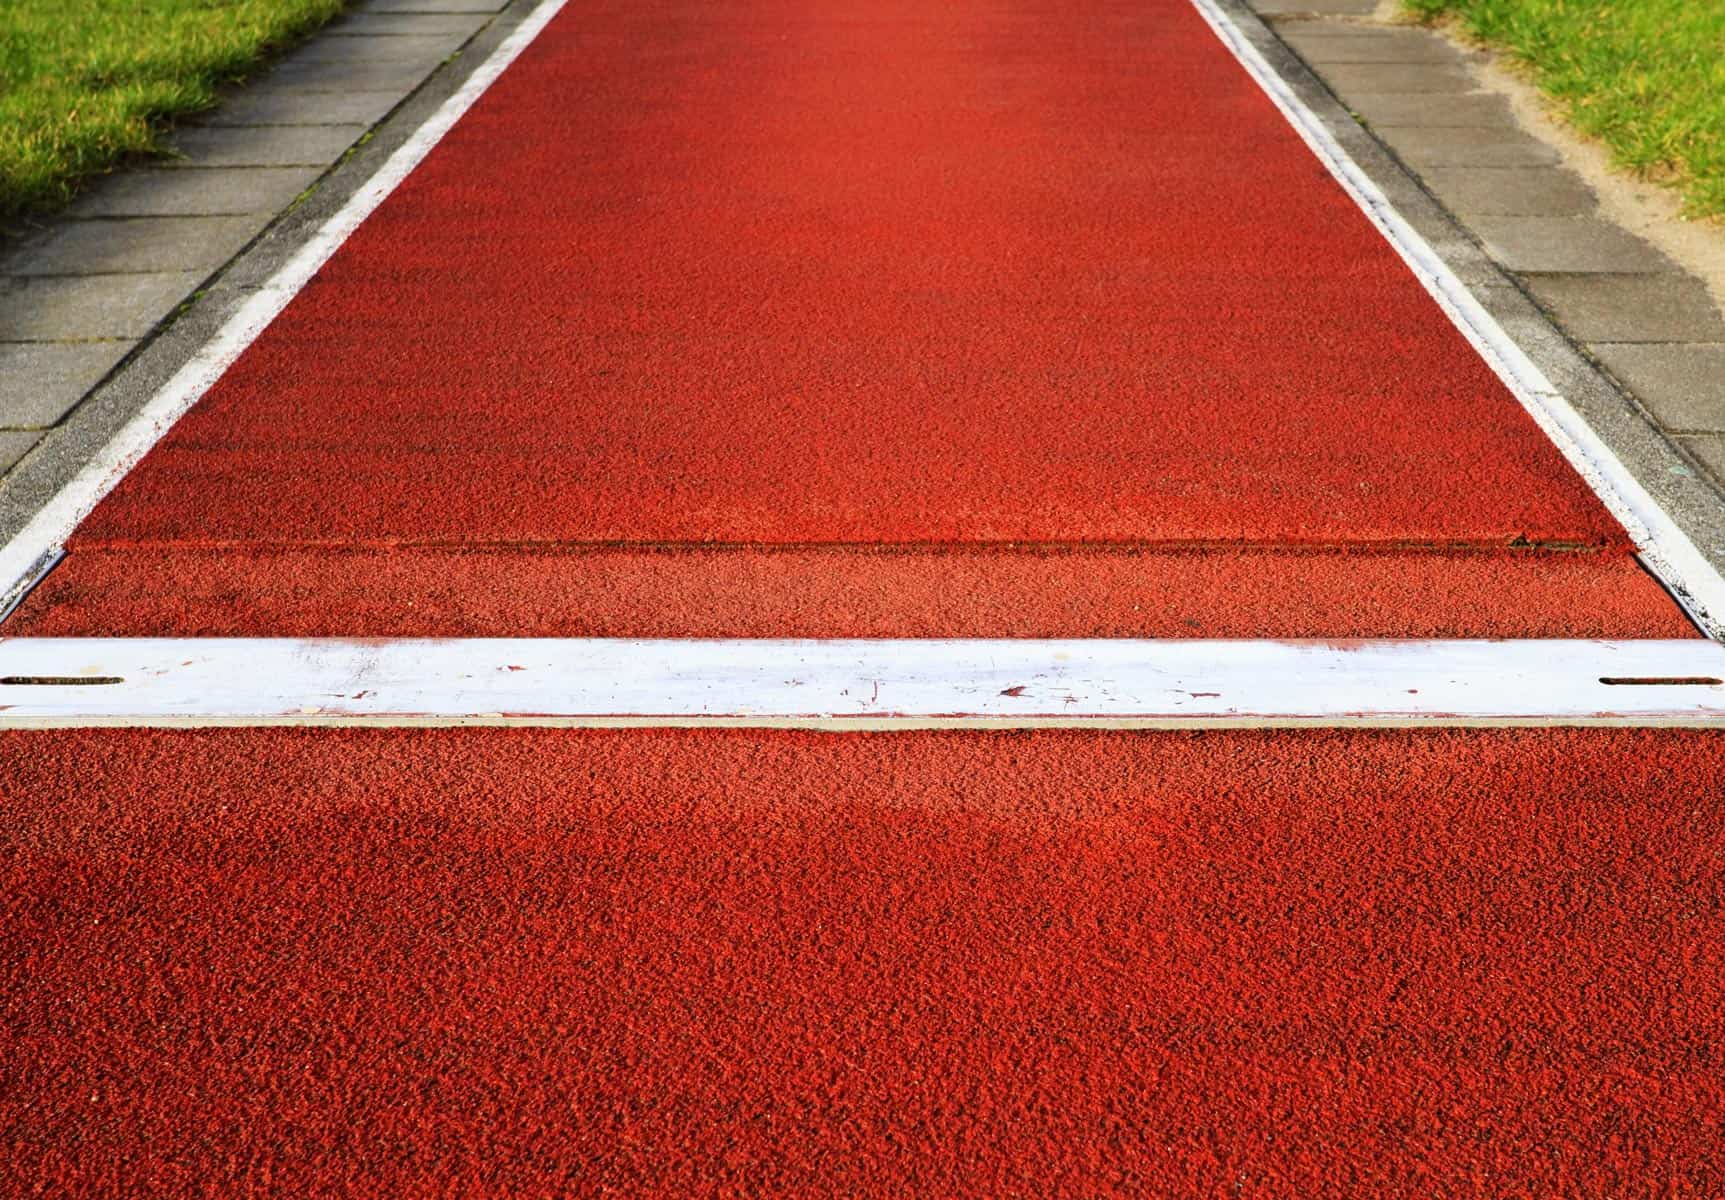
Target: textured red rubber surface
(693,592)
(528,962)
(863,272)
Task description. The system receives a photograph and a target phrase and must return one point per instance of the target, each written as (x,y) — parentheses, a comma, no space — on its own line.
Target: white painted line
(854,683)
(1664,547)
(48,530)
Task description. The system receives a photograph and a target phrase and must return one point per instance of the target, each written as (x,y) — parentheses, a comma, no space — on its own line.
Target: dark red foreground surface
(411,962)
(773,275)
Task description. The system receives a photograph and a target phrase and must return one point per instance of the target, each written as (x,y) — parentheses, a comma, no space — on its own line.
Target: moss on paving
(85,83)
(1647,77)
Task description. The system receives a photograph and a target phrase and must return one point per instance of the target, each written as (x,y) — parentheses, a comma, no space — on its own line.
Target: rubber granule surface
(479,961)
(761,272)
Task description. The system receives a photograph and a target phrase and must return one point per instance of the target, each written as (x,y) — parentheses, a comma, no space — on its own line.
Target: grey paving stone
(1510,191)
(378,48)
(393,77)
(1433,147)
(280,146)
(1349,8)
(1348,78)
(14,444)
(1711,452)
(1330,25)
(1682,384)
(1631,308)
(194,191)
(41,381)
(140,244)
(409,24)
(1316,45)
(269,102)
(434,6)
(1556,245)
(65,308)
(1475,110)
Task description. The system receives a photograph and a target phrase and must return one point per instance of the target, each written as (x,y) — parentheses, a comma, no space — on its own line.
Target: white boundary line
(837,683)
(33,549)
(1665,548)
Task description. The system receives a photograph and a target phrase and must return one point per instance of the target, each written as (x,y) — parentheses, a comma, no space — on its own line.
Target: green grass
(1647,77)
(85,83)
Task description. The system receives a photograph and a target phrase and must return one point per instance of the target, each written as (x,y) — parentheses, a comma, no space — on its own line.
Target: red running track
(777,276)
(987,319)
(1328,963)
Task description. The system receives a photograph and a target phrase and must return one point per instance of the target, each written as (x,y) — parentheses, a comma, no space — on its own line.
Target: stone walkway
(78,295)
(1651,325)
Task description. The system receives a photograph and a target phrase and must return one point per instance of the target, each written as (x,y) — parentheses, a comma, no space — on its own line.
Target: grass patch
(85,83)
(1647,77)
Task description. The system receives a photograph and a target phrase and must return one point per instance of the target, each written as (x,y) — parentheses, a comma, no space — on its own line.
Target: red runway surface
(1254,964)
(769,275)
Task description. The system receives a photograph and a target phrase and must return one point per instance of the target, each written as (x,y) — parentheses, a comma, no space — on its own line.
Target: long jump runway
(947,372)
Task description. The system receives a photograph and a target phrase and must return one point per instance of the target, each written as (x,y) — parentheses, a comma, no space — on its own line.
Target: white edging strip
(856,683)
(1665,548)
(48,529)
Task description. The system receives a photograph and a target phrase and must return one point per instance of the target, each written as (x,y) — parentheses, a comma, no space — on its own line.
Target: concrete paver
(373,22)
(436,6)
(1510,191)
(1351,8)
(196,191)
(1679,382)
(382,48)
(41,381)
(347,77)
(1422,147)
(272,102)
(1348,78)
(14,445)
(1419,110)
(142,244)
(1631,308)
(1557,244)
(277,146)
(1385,47)
(70,307)
(1329,25)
